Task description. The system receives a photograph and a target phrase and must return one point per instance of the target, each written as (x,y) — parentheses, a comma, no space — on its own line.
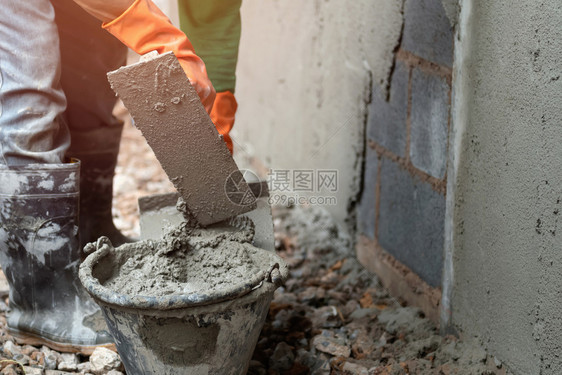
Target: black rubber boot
(40,256)
(97,150)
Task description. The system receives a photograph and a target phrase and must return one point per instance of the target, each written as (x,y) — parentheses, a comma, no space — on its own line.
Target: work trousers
(54,58)
(213,27)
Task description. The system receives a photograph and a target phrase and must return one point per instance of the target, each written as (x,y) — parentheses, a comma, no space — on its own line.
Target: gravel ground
(138,173)
(334,317)
(331,317)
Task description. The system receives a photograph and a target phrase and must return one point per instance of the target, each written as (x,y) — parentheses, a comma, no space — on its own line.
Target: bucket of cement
(187,304)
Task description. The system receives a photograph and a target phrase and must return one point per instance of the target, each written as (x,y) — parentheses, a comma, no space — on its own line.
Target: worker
(214,29)
(55,109)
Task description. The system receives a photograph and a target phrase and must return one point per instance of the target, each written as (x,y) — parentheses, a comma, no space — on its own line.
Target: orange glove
(144,28)
(223,115)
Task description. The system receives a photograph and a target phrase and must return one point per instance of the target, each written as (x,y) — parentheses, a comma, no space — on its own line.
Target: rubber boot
(40,257)
(97,150)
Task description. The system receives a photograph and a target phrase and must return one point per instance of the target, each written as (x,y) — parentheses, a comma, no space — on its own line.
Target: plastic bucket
(182,334)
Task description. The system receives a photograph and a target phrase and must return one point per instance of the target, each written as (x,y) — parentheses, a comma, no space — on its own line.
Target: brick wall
(402,208)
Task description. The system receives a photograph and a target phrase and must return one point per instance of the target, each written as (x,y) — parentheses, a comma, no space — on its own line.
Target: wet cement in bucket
(189,261)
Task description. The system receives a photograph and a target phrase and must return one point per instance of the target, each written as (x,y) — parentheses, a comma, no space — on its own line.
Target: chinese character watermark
(302,186)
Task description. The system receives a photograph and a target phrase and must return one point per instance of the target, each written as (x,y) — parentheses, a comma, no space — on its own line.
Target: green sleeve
(213,27)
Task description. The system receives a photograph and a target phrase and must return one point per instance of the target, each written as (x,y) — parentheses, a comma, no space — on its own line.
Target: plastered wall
(503,260)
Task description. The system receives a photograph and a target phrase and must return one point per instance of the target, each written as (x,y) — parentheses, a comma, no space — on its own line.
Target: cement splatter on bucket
(192,303)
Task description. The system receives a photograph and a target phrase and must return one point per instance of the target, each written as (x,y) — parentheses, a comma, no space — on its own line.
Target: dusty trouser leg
(31,98)
(39,250)
(88,53)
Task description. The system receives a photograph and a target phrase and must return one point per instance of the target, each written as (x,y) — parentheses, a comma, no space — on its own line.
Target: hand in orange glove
(223,115)
(144,28)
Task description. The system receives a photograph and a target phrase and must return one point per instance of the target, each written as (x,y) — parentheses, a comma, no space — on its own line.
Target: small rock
(84,367)
(338,297)
(69,358)
(103,360)
(329,342)
(10,349)
(22,359)
(330,279)
(10,370)
(326,317)
(4,286)
(322,366)
(4,306)
(284,298)
(68,362)
(306,358)
(350,307)
(418,366)
(50,361)
(33,370)
(354,369)
(364,313)
(311,294)
(282,358)
(362,345)
(405,319)
(38,358)
(114,372)
(28,349)
(65,366)
(445,369)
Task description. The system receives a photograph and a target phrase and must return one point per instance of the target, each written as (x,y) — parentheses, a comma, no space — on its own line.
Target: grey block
(366,213)
(411,222)
(158,212)
(429,118)
(387,119)
(427,31)
(263,220)
(167,110)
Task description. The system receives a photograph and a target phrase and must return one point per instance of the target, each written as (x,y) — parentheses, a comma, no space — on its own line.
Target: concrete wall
(504,258)
(402,208)
(305,74)
(170,7)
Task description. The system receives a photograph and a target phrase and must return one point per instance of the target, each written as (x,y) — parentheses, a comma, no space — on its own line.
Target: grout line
(424,65)
(408,116)
(438,185)
(378,197)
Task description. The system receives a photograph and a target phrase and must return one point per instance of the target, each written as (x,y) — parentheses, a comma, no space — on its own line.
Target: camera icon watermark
(238,191)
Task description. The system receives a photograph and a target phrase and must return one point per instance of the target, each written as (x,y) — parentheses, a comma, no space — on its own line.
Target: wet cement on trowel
(191,260)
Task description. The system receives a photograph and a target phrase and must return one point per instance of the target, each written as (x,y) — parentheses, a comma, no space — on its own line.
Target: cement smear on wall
(452,10)
(305,73)
(505,242)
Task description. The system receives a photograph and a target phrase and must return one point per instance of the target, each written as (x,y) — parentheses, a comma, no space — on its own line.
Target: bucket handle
(102,244)
(274,275)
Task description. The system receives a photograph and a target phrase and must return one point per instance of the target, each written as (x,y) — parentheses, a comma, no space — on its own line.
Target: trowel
(167,110)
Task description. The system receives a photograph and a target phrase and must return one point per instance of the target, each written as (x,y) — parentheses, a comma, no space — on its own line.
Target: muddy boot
(97,150)
(40,257)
